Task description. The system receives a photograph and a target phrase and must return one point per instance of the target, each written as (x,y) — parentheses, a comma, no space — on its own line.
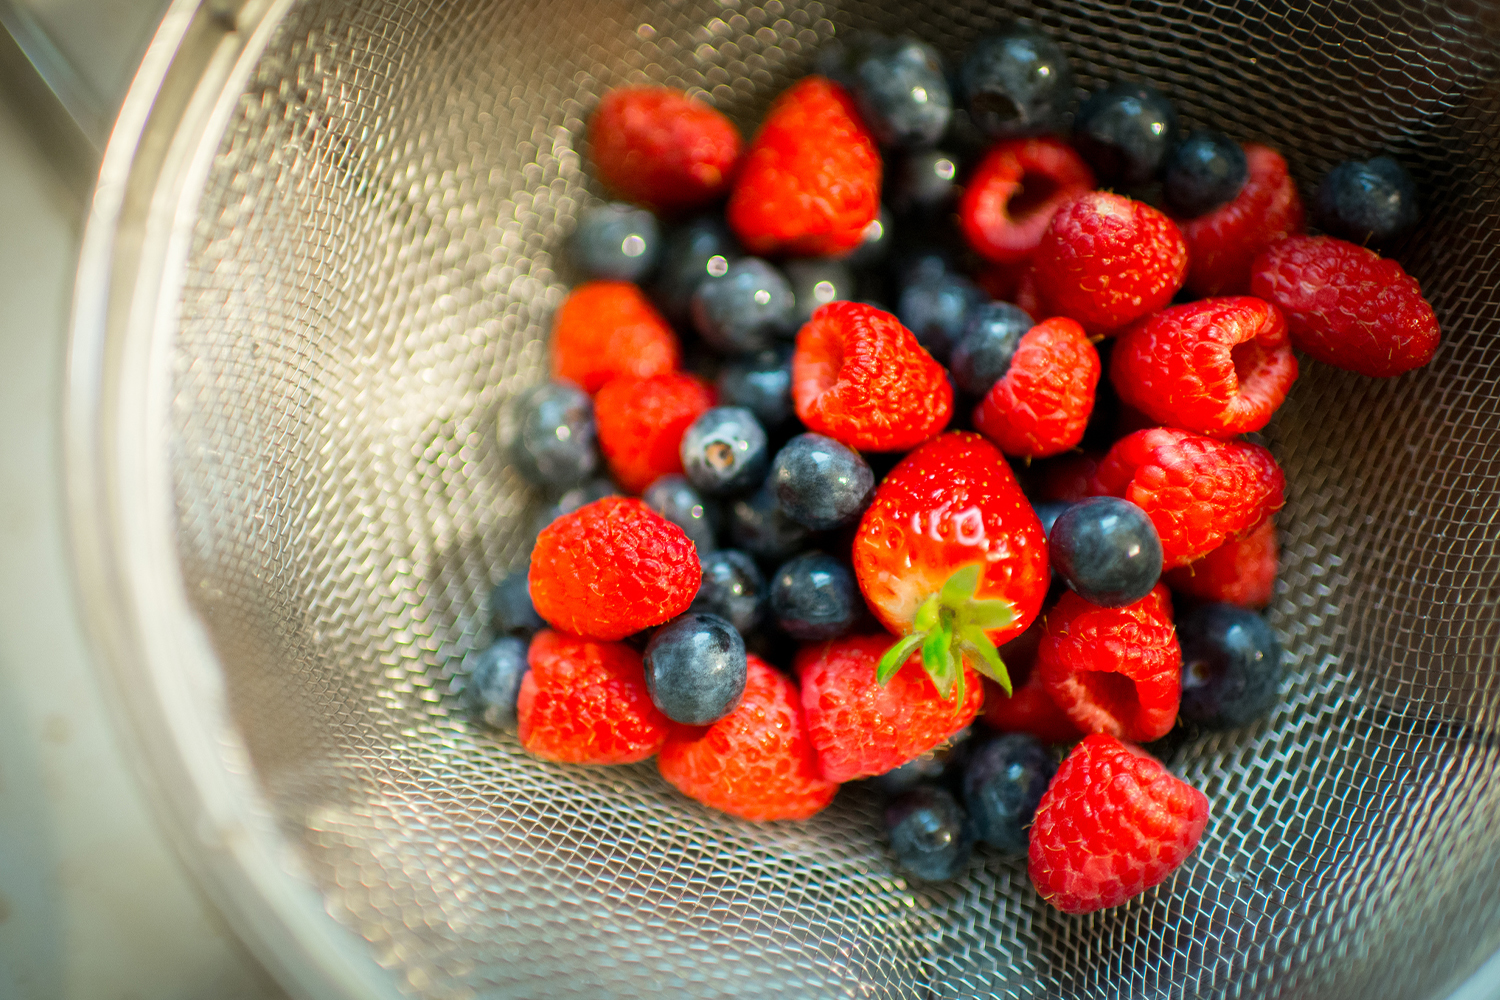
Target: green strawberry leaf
(959,590)
(990,614)
(983,656)
(937,660)
(927,616)
(896,656)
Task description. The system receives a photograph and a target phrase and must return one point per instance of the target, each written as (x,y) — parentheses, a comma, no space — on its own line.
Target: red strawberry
(1112,824)
(1241,571)
(861,727)
(1041,405)
(1019,185)
(1198,491)
(861,378)
(1218,367)
(607,329)
(641,423)
(757,762)
(1114,670)
(950,555)
(810,183)
(663,149)
(612,568)
(1222,244)
(1347,306)
(585,702)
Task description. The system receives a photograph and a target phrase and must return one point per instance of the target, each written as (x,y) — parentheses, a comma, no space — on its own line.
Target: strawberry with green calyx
(951,627)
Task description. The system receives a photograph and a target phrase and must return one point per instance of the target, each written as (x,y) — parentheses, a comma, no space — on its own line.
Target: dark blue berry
(990,338)
(924,182)
(762,384)
(697,250)
(578,496)
(553,441)
(901,92)
(936,308)
(618,242)
(732,588)
(1016,83)
(1048,511)
(511,610)
(1003,783)
(935,767)
(675,499)
(817,281)
(1231,666)
(820,483)
(1125,132)
(746,308)
(915,262)
(1370,201)
(724,451)
(492,681)
(695,668)
(1202,172)
(930,834)
(814,597)
(1107,550)
(876,244)
(758,525)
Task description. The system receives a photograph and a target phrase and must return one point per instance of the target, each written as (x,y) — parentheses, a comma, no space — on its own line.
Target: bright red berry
(810,182)
(1114,670)
(757,762)
(607,330)
(1030,709)
(1019,185)
(585,702)
(663,149)
(612,568)
(1199,492)
(1106,260)
(1112,824)
(861,727)
(641,423)
(1222,244)
(1219,367)
(1041,405)
(861,378)
(1242,571)
(1347,306)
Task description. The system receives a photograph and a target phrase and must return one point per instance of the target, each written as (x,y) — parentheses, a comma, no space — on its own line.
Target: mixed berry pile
(838,487)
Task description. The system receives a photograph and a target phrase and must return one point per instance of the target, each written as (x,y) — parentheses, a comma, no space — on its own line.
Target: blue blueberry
(1231,666)
(675,499)
(758,525)
(814,597)
(724,451)
(746,308)
(492,681)
(1003,783)
(699,249)
(930,834)
(820,483)
(876,244)
(695,668)
(511,610)
(578,496)
(924,183)
(1107,550)
(1370,201)
(901,92)
(553,442)
(936,308)
(1015,83)
(1202,172)
(1048,511)
(618,242)
(817,281)
(921,261)
(991,335)
(732,588)
(762,384)
(1125,132)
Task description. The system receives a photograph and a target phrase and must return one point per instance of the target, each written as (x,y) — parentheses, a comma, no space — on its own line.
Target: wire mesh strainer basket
(322,253)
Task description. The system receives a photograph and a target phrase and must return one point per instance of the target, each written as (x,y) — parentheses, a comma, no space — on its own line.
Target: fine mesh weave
(374,272)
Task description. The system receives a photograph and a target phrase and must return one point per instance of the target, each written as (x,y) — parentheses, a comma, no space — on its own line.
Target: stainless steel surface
(325,258)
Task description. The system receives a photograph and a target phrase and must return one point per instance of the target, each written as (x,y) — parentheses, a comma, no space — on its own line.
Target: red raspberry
(1219,367)
(1198,491)
(862,728)
(612,568)
(1241,571)
(756,762)
(1348,306)
(861,378)
(1222,244)
(1106,260)
(1040,406)
(663,149)
(607,329)
(1069,478)
(585,702)
(1112,824)
(1030,709)
(641,423)
(1019,186)
(810,184)
(1114,670)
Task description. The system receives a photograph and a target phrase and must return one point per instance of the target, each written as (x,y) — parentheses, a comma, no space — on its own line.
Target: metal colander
(323,253)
